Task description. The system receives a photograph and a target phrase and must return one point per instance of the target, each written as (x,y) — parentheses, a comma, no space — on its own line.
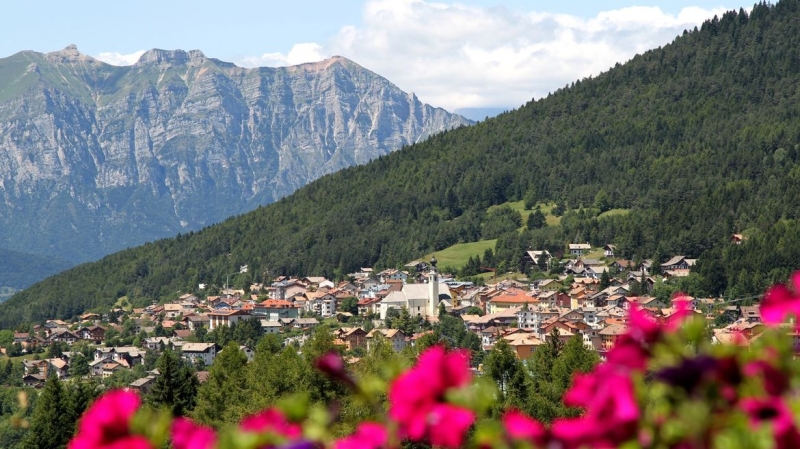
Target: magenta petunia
(271,420)
(642,327)
(683,310)
(417,397)
(524,428)
(629,354)
(774,412)
(775,381)
(611,411)
(106,424)
(448,425)
(780,302)
(186,434)
(368,435)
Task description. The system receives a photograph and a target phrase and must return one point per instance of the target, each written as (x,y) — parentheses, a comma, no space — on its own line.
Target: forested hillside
(699,139)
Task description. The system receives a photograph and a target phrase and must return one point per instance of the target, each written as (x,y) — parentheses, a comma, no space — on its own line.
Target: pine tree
(175,387)
(51,424)
(223,389)
(502,366)
(574,357)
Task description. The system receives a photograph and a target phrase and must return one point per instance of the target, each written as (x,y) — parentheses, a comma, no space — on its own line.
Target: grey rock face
(95,158)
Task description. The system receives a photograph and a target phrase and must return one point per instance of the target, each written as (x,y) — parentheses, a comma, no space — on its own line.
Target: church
(420,299)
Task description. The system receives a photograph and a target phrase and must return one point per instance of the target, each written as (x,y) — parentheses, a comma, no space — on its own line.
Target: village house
(203,352)
(579,249)
(678,263)
(143,385)
(172,310)
(511,298)
(95,334)
(531,258)
(271,327)
(64,336)
(524,344)
(609,250)
(196,321)
(219,318)
(392,274)
(351,337)
(287,289)
(275,309)
(110,368)
(320,303)
(611,334)
(737,239)
(395,336)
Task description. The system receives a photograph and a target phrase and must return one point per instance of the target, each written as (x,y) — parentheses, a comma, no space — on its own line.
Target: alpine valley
(672,153)
(95,158)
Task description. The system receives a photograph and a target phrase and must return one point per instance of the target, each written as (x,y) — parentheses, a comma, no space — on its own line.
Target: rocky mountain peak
(70,53)
(158,56)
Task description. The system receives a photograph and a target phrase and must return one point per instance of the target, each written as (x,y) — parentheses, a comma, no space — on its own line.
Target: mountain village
(525,314)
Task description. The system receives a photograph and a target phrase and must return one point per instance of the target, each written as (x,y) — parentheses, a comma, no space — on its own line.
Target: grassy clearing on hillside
(490,279)
(456,256)
(124,303)
(4,357)
(611,212)
(547,210)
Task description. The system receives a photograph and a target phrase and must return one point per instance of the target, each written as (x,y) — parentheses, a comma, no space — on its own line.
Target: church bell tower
(433,289)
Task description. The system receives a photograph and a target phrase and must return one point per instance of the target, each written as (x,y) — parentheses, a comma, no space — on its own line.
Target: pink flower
(775,381)
(773,411)
(521,427)
(629,353)
(271,420)
(642,327)
(416,397)
(331,364)
(683,310)
(368,435)
(188,435)
(449,424)
(106,424)
(612,413)
(779,302)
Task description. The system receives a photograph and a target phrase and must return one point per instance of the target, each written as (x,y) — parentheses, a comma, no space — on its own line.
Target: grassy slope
(457,255)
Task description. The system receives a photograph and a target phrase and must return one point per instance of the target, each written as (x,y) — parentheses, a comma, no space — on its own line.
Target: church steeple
(433,289)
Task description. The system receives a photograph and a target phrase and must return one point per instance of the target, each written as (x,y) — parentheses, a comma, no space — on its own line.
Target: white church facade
(420,299)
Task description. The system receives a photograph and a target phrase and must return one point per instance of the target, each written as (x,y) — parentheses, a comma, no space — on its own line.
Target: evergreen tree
(175,387)
(530,198)
(605,280)
(536,220)
(223,389)
(502,366)
(81,395)
(51,424)
(574,357)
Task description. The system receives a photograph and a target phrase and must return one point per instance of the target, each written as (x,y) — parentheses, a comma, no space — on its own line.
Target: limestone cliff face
(95,158)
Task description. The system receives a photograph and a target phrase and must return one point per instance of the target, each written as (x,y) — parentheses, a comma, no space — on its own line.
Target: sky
(466,54)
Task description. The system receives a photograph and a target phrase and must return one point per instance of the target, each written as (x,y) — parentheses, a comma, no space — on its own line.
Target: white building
(206,352)
(420,299)
(226,317)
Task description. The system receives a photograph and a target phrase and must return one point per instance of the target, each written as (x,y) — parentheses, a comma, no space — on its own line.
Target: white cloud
(454,56)
(300,53)
(114,58)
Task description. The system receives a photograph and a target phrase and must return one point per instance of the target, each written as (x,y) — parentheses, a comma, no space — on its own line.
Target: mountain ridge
(121,155)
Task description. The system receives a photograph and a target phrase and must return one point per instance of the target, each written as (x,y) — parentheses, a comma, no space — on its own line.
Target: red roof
(277,304)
